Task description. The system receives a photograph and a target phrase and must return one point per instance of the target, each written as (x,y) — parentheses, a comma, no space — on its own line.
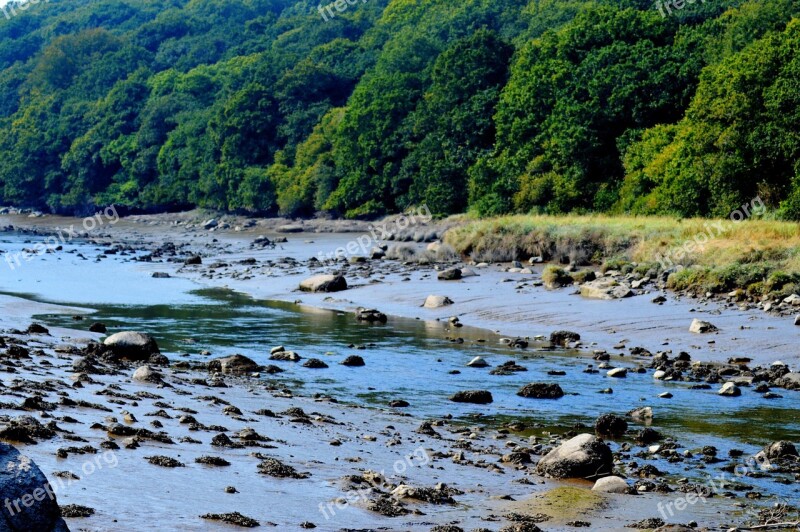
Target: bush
(555,277)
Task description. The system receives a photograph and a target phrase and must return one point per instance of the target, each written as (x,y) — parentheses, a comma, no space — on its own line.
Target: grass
(758,256)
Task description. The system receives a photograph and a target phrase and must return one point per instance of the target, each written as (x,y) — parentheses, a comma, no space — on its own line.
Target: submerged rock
(478,397)
(541,390)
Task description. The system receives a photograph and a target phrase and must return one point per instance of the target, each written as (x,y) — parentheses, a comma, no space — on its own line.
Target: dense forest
(363,108)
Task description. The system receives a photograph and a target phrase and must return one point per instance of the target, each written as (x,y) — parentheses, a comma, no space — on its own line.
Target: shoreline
(275,276)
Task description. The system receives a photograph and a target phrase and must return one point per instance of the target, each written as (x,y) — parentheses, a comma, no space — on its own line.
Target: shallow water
(409,359)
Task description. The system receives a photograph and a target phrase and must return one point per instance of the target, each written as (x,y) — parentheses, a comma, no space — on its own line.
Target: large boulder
(437,301)
(28,500)
(584,456)
(233,364)
(605,288)
(324,283)
(132,345)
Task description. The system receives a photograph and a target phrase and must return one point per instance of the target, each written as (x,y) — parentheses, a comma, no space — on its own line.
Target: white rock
(701,327)
(730,389)
(437,301)
(618,373)
(611,485)
(478,362)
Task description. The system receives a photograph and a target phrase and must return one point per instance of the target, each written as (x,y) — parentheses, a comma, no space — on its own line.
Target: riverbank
(501,294)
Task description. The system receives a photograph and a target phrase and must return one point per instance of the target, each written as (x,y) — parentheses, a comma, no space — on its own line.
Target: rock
(132,345)
(584,456)
(611,485)
(660,375)
(562,338)
(24,487)
(147,374)
(35,328)
(285,356)
(324,283)
(370,315)
(233,364)
(452,274)
(605,288)
(315,363)
(790,381)
(797,320)
(730,389)
(437,301)
(290,228)
(210,224)
(478,397)
(793,299)
(98,327)
(399,403)
(610,425)
(618,373)
(701,327)
(541,390)
(776,451)
(353,361)
(161,275)
(478,362)
(195,260)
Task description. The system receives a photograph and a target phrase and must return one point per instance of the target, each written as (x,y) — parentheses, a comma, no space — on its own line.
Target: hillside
(502,106)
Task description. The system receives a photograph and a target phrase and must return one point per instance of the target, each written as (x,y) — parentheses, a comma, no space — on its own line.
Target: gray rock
(584,456)
(701,327)
(132,345)
(324,283)
(453,274)
(437,301)
(478,397)
(233,364)
(29,502)
(605,288)
(730,389)
(147,374)
(611,485)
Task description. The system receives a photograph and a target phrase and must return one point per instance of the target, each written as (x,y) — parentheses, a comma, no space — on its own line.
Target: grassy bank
(758,256)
